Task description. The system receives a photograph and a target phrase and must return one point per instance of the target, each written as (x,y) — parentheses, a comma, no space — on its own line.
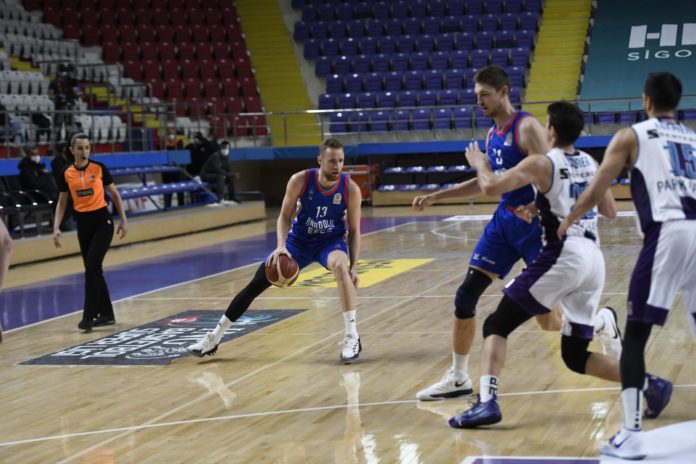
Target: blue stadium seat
(494,6)
(464,40)
(447,97)
(338,123)
(354,83)
(366,100)
(508,22)
(412,80)
(427,98)
(327,101)
(533,6)
(393,27)
(374,28)
(300,31)
(443,119)
(524,39)
(334,84)
(406,43)
(520,57)
(401,120)
(500,56)
(430,25)
(516,76)
(380,63)
(470,23)
(338,30)
(309,13)
(461,118)
(400,9)
(482,122)
(346,101)
(380,10)
(419,61)
(513,6)
(439,60)
(323,66)
(386,99)
(467,97)
(484,40)
(406,99)
(445,42)
(348,46)
(479,58)
(529,21)
(474,7)
(606,118)
(329,47)
(452,24)
(311,49)
(318,30)
(420,119)
(341,64)
(432,79)
(437,8)
(488,23)
(326,13)
(504,39)
(359,121)
(400,62)
(393,81)
(386,45)
(344,12)
(425,43)
(456,7)
(459,59)
(412,26)
(379,121)
(360,64)
(418,9)
(373,82)
(367,46)
(356,28)
(454,79)
(361,10)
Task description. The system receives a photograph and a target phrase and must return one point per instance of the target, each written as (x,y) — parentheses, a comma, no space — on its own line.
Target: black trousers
(221,185)
(95,230)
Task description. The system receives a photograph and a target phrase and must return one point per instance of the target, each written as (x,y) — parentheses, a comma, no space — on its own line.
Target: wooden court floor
(279,394)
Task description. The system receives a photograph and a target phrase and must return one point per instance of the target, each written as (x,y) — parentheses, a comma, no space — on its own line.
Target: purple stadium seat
(454,79)
(479,58)
(432,79)
(406,99)
(393,27)
(348,46)
(437,8)
(334,84)
(420,119)
(373,82)
(489,23)
(508,22)
(439,60)
(443,119)
(406,43)
(464,40)
(470,23)
(400,120)
(413,80)
(484,40)
(337,29)
(366,100)
(386,45)
(412,26)
(360,64)
(380,10)
(447,97)
(418,9)
(344,12)
(419,61)
(400,62)
(482,122)
(318,30)
(356,28)
(425,43)
(520,57)
(430,25)
(462,118)
(393,81)
(346,101)
(474,7)
(311,49)
(467,97)
(524,39)
(452,24)
(445,42)
(386,99)
(513,6)
(494,6)
(379,121)
(459,59)
(380,63)
(323,66)
(504,39)
(374,28)
(329,47)
(300,31)
(500,56)
(327,101)
(529,21)
(606,118)
(341,64)
(367,46)
(400,9)
(427,98)
(456,7)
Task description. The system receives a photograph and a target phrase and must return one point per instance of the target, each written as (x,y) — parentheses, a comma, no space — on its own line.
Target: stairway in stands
(557,64)
(277,72)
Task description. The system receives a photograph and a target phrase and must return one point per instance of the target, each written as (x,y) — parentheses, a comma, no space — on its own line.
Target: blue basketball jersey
(322,213)
(505,153)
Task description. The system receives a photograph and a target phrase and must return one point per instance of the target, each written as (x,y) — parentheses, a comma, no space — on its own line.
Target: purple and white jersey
(572,173)
(663,179)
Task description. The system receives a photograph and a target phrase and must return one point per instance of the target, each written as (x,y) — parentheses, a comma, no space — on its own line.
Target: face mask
(172,136)
(225,151)
(36,158)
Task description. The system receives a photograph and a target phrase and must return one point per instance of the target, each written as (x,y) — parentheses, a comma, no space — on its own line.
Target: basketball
(284,273)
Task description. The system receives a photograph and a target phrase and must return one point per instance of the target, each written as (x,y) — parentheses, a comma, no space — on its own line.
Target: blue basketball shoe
(480,414)
(657,395)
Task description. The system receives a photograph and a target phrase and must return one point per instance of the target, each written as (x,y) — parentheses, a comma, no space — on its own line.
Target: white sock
(460,362)
(488,387)
(221,328)
(632,400)
(349,318)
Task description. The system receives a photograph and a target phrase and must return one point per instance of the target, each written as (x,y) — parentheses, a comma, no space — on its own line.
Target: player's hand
(122,229)
(474,155)
(57,235)
(354,277)
(273,259)
(565,225)
(526,212)
(422,201)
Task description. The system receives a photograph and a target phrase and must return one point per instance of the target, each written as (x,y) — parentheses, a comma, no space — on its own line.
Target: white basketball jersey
(572,174)
(663,180)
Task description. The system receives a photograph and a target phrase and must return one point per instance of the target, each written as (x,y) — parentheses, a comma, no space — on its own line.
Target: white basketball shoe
(608,332)
(626,444)
(452,385)
(207,345)
(351,349)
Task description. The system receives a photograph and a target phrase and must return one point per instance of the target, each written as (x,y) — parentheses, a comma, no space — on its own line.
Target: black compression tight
(632,354)
(241,302)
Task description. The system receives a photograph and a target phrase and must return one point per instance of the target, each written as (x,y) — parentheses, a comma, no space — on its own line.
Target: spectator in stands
(5,255)
(10,126)
(173,141)
(216,172)
(200,149)
(33,174)
(63,91)
(87,182)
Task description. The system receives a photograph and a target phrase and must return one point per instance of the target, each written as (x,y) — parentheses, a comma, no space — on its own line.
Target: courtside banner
(159,342)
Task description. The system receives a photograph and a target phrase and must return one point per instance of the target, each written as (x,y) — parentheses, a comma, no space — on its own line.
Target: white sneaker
(205,346)
(626,444)
(351,349)
(609,334)
(450,386)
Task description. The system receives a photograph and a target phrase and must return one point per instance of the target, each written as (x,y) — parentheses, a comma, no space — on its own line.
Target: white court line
(435,231)
(134,428)
(244,377)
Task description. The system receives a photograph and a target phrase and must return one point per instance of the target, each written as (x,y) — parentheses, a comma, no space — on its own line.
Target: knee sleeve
(574,353)
(469,293)
(507,317)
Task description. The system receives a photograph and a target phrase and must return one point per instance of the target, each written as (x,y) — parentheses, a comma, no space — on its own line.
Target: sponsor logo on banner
(370,271)
(658,43)
(161,341)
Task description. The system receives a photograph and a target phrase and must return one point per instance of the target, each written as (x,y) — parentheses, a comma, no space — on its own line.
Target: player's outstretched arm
(467,189)
(287,210)
(620,153)
(354,243)
(534,169)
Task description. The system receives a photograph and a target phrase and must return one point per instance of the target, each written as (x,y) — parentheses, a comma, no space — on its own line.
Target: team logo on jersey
(337,199)
(508,140)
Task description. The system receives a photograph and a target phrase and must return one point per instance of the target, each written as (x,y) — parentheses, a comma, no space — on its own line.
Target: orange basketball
(284,273)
